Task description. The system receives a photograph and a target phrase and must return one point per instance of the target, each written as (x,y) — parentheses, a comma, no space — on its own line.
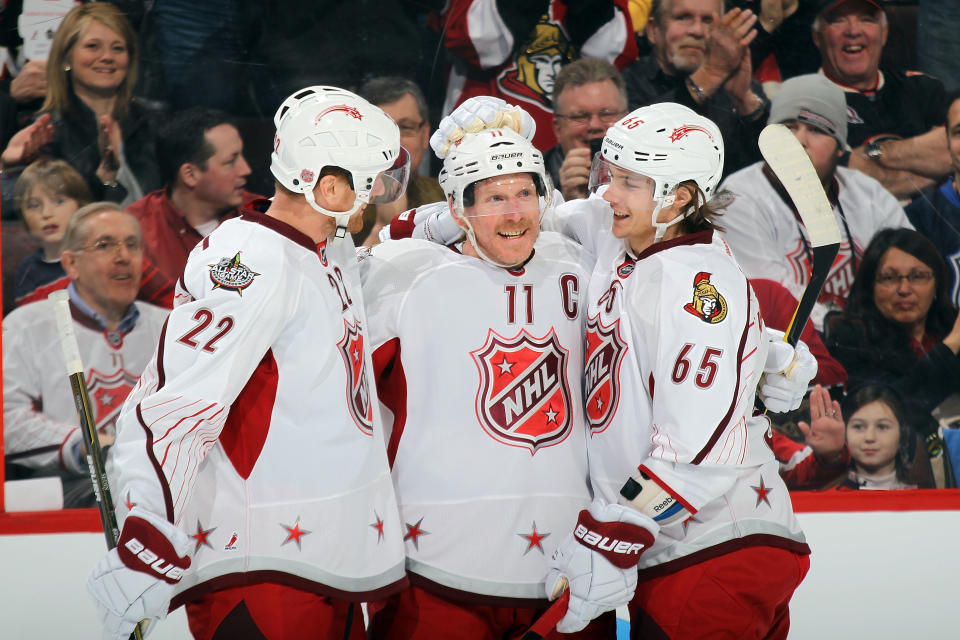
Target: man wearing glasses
(403,101)
(102,257)
(588,96)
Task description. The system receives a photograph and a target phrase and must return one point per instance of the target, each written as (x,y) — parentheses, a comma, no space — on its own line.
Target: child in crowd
(46,195)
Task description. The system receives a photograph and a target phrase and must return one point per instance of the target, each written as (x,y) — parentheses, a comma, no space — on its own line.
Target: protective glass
(391,183)
(505,195)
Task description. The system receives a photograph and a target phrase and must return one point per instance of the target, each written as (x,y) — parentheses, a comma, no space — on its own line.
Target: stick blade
(791,164)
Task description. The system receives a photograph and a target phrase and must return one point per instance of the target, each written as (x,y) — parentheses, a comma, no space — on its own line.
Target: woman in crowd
(89,117)
(899,327)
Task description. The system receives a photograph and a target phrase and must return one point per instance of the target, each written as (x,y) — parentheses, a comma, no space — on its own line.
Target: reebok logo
(604,543)
(171,572)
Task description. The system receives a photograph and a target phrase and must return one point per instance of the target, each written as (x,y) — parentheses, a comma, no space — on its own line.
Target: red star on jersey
(551,414)
(414,532)
(129,503)
(294,533)
(762,492)
(534,539)
(378,525)
(202,537)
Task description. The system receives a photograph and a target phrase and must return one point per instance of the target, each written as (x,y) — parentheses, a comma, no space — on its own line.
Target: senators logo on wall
(358,388)
(523,399)
(601,379)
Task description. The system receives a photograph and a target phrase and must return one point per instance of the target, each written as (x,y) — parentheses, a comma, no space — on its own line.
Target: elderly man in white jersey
(478,350)
(103,253)
(252,462)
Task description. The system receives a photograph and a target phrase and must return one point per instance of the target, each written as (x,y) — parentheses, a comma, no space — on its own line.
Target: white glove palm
(476,114)
(787,373)
(596,584)
(126,595)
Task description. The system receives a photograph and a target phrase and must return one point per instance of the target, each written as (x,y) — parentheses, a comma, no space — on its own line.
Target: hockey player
(253,472)
(478,350)
(686,487)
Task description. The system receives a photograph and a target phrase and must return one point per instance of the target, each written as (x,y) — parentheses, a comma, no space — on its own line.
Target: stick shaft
(88,425)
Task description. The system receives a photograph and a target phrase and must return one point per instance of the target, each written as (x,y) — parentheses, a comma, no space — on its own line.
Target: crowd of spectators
(159,108)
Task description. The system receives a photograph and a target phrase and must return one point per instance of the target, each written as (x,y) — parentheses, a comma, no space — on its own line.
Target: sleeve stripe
(676,496)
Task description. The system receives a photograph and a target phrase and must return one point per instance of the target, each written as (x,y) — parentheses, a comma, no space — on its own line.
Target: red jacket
(167,237)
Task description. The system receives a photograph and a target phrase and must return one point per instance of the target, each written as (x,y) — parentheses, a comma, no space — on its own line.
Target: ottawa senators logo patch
(601,379)
(232,275)
(708,304)
(358,389)
(523,399)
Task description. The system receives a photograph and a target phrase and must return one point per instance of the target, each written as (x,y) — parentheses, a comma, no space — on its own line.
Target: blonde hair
(75,23)
(55,176)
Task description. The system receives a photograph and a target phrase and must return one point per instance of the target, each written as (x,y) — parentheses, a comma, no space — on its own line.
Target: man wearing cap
(764,230)
(895,118)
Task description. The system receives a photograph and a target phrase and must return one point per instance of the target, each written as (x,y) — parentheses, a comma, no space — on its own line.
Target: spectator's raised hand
(728,42)
(31,82)
(575,173)
(27,143)
(825,433)
(109,140)
(774,12)
(953,338)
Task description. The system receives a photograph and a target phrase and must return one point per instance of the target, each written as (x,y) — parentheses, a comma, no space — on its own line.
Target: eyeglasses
(580,119)
(914,278)
(408,129)
(106,246)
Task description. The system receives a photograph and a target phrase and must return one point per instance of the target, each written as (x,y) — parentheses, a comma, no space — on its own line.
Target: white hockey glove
(787,373)
(476,114)
(432,222)
(135,581)
(598,562)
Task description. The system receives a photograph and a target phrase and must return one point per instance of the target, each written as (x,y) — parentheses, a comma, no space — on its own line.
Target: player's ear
(453,212)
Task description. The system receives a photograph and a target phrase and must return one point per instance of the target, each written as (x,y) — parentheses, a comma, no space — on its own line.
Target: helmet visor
(391,183)
(604,173)
(510,194)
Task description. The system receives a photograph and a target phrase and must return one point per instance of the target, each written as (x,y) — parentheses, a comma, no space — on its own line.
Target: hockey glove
(476,114)
(787,373)
(135,581)
(432,222)
(598,562)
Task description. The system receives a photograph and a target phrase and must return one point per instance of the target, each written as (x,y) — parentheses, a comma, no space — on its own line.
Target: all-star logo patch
(231,274)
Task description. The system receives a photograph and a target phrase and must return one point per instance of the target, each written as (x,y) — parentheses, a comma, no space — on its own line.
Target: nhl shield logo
(358,389)
(523,399)
(108,393)
(601,380)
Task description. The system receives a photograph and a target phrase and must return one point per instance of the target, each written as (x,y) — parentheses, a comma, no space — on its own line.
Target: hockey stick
(791,164)
(546,622)
(88,426)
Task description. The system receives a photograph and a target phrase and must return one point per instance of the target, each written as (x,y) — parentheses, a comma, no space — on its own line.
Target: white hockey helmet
(487,154)
(320,127)
(668,143)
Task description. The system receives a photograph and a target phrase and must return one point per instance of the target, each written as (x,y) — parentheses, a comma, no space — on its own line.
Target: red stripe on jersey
(41,292)
(391,389)
(161,478)
(249,420)
(733,402)
(663,485)
(161,377)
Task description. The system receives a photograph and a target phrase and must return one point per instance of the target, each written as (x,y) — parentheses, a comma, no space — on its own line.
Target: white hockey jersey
(769,241)
(253,428)
(479,367)
(39,416)
(675,348)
